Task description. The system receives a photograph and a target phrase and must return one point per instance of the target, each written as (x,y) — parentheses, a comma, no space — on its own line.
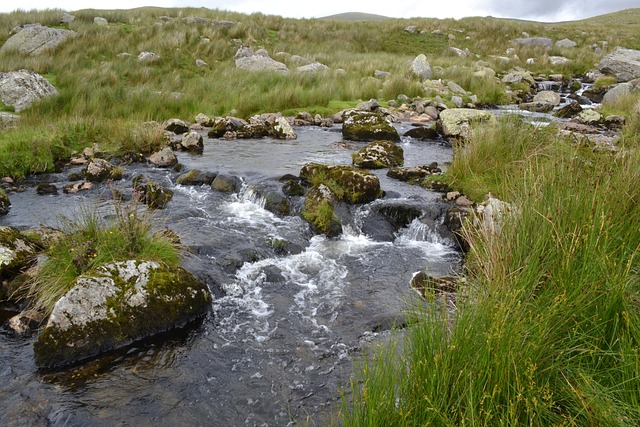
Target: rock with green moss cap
(5,204)
(457,122)
(17,251)
(378,155)
(368,126)
(319,210)
(196,177)
(349,184)
(116,305)
(99,169)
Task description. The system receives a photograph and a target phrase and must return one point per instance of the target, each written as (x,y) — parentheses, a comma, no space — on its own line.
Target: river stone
(20,89)
(35,39)
(423,133)
(5,204)
(457,122)
(226,183)
(569,110)
(246,59)
(566,43)
(410,174)
(156,196)
(16,252)
(349,184)
(118,304)
(193,142)
(589,117)
(46,189)
(319,210)
(204,120)
(421,68)
(314,67)
(283,130)
(99,169)
(378,155)
(545,42)
(164,158)
(516,76)
(196,177)
(277,203)
(176,126)
(537,107)
(547,97)
(368,126)
(622,63)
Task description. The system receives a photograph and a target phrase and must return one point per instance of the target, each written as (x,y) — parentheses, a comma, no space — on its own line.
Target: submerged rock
(116,305)
(368,126)
(378,155)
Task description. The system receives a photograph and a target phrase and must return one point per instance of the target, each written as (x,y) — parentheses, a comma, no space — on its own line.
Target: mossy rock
(277,203)
(116,305)
(99,170)
(5,204)
(368,126)
(319,210)
(378,155)
(156,196)
(196,177)
(226,183)
(17,252)
(457,122)
(349,184)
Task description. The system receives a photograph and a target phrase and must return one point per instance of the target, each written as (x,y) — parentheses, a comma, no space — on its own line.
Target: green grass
(547,330)
(90,242)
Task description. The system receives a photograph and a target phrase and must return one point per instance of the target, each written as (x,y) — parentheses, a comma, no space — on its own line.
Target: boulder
(620,91)
(622,63)
(378,155)
(537,107)
(164,158)
(222,125)
(349,184)
(423,133)
(547,97)
(519,76)
(204,120)
(99,169)
(246,59)
(196,177)
(5,204)
(566,43)
(277,203)
(100,21)
(67,18)
(421,68)
(558,60)
(192,142)
(16,253)
(457,122)
(319,210)
(410,174)
(21,89)
(283,130)
(226,183)
(35,39)
(544,42)
(117,304)
(151,193)
(148,57)
(314,67)
(568,111)
(368,126)
(589,117)
(8,121)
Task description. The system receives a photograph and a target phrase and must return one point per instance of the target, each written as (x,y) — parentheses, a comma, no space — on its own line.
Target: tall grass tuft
(549,331)
(89,241)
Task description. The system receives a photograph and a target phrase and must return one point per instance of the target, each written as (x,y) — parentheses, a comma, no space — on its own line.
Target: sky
(535,10)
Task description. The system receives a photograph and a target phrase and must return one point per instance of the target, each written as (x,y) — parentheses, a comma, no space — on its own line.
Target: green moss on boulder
(5,204)
(319,209)
(116,305)
(368,126)
(457,122)
(349,184)
(17,252)
(378,155)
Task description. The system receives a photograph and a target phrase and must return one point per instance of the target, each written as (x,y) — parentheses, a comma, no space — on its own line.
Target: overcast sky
(536,10)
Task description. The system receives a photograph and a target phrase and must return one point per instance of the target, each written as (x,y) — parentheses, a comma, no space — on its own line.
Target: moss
(603,83)
(5,204)
(319,211)
(365,126)
(349,184)
(16,252)
(156,196)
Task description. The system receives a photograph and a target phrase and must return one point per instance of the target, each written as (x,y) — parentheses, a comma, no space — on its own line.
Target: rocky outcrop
(116,305)
(247,59)
(457,122)
(349,184)
(368,126)
(21,89)
(33,39)
(378,155)
(421,68)
(544,42)
(622,63)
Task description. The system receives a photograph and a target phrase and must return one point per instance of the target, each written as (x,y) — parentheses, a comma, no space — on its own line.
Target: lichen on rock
(378,155)
(368,126)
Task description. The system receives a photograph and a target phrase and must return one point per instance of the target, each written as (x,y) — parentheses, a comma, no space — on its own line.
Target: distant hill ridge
(356,16)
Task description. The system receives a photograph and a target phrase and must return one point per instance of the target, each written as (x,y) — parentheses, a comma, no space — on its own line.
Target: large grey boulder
(622,63)
(35,39)
(247,59)
(20,89)
(547,97)
(421,68)
(457,122)
(620,91)
(118,304)
(566,43)
(545,42)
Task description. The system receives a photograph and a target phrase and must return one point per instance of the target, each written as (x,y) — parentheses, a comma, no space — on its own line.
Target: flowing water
(285,327)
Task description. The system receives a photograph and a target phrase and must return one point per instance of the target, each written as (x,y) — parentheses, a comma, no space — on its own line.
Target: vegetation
(547,329)
(105,97)
(90,242)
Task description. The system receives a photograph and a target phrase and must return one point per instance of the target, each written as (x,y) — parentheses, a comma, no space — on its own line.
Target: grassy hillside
(356,16)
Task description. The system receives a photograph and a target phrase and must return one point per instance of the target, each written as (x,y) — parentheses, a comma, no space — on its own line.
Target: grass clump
(90,242)
(548,331)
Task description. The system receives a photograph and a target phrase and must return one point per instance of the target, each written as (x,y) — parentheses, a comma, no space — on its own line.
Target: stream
(285,328)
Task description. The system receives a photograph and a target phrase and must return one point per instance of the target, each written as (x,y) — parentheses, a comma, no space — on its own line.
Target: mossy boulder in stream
(349,184)
(116,305)
(17,252)
(378,155)
(368,126)
(318,210)
(5,204)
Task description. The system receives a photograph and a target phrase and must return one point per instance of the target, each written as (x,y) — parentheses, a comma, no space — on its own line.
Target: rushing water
(284,329)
